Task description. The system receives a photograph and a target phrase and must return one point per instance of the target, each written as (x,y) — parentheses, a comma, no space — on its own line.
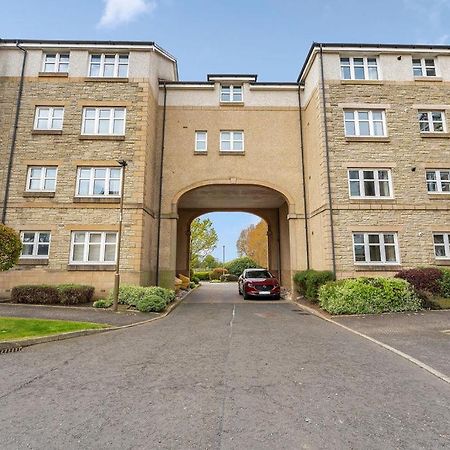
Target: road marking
(233,314)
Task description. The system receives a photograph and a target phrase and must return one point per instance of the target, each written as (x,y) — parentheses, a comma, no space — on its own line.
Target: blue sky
(267,37)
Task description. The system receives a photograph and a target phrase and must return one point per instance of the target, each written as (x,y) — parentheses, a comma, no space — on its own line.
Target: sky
(268,37)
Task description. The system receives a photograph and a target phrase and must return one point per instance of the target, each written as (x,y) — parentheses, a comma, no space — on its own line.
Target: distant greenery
(238,265)
(203,240)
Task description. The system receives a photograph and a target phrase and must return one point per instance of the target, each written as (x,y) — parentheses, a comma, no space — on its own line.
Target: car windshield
(258,274)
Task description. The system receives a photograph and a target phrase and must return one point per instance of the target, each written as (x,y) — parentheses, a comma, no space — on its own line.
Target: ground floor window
(442,245)
(35,244)
(375,248)
(93,247)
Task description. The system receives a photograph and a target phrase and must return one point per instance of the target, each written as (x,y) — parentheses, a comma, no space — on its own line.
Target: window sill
(53,74)
(46,131)
(231,103)
(435,135)
(443,196)
(100,137)
(432,79)
(372,199)
(96,199)
(442,262)
(33,262)
(376,82)
(106,79)
(91,267)
(377,268)
(38,194)
(200,152)
(231,152)
(367,139)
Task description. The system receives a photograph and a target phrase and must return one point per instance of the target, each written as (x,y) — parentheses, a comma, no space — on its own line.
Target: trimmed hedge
(65,294)
(445,283)
(73,294)
(195,279)
(368,296)
(151,303)
(238,265)
(202,276)
(133,295)
(308,282)
(217,273)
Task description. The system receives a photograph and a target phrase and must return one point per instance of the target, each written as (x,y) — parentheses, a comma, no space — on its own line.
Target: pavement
(221,375)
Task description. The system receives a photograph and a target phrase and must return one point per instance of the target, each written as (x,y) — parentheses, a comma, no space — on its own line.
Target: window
(56,62)
(231,93)
(104,121)
(370,183)
(438,181)
(365,123)
(432,121)
(48,118)
(375,248)
(359,69)
(41,178)
(35,244)
(231,141)
(108,66)
(99,181)
(441,245)
(93,247)
(201,141)
(423,67)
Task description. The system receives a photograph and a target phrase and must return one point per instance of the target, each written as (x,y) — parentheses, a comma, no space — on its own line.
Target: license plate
(264,292)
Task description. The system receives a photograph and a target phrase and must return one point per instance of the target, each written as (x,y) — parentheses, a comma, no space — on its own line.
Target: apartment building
(349,165)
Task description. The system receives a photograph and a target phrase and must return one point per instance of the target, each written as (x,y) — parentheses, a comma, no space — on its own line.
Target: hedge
(73,294)
(229,277)
(238,265)
(368,296)
(217,273)
(132,295)
(308,282)
(202,276)
(428,281)
(65,294)
(445,283)
(151,303)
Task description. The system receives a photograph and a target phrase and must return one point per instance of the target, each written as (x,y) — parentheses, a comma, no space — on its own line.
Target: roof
(232,76)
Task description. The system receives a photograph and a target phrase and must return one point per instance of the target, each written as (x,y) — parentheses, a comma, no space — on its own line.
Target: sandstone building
(349,165)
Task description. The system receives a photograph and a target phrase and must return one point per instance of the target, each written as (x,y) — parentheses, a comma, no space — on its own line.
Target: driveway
(221,373)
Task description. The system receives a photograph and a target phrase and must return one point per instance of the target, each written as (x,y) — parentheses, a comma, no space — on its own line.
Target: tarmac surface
(221,373)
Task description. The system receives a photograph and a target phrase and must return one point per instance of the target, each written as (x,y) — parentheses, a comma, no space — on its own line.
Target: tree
(209,262)
(10,247)
(238,265)
(252,242)
(203,240)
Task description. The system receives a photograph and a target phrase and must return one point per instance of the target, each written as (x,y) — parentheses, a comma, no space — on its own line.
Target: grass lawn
(444,303)
(12,328)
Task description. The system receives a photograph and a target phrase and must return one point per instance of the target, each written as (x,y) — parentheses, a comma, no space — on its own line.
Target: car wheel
(276,297)
(246,296)
(239,289)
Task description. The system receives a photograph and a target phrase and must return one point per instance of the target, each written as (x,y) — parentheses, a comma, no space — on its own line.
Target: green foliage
(73,294)
(202,276)
(208,262)
(196,280)
(203,240)
(238,265)
(10,247)
(308,282)
(368,296)
(103,303)
(151,303)
(131,295)
(229,277)
(167,294)
(192,285)
(217,273)
(41,294)
(445,283)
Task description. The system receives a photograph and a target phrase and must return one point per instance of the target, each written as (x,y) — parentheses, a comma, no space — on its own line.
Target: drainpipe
(14,134)
(302,154)
(158,242)
(327,155)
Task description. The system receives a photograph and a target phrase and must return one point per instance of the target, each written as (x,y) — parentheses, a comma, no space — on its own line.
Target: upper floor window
(432,121)
(424,67)
(375,248)
(231,93)
(365,123)
(370,183)
(109,66)
(93,247)
(56,62)
(359,68)
(41,178)
(35,244)
(98,181)
(48,118)
(441,245)
(438,181)
(231,141)
(104,121)
(201,141)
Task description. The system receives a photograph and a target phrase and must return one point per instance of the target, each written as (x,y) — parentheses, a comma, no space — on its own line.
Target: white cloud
(118,12)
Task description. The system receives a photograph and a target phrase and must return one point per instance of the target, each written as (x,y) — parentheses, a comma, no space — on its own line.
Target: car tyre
(246,296)
(276,297)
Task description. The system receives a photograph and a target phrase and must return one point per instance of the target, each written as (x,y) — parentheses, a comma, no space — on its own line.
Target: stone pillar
(168,250)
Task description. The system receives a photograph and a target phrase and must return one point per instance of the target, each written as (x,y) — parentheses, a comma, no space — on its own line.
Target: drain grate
(10,350)
(300,312)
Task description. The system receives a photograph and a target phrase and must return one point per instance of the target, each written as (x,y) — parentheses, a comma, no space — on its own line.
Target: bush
(10,247)
(368,296)
(36,294)
(217,273)
(131,295)
(167,294)
(192,285)
(423,279)
(202,276)
(238,265)
(102,303)
(74,294)
(308,282)
(151,303)
(195,280)
(445,283)
(229,277)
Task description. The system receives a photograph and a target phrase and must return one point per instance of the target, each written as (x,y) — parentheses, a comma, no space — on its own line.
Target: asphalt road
(228,375)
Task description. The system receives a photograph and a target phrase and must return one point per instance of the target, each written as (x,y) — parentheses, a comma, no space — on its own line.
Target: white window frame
(424,67)
(438,180)
(102,65)
(86,248)
(51,113)
(92,179)
(57,62)
(111,119)
(366,65)
(232,141)
(197,140)
(232,88)
(36,244)
(357,121)
(382,245)
(446,245)
(42,179)
(431,122)
(376,180)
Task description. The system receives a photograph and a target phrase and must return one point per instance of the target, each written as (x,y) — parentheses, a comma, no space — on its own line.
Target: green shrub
(167,294)
(368,296)
(445,283)
(102,303)
(74,294)
(217,273)
(195,280)
(229,277)
(308,282)
(10,247)
(238,265)
(36,294)
(192,285)
(151,303)
(202,276)
(131,295)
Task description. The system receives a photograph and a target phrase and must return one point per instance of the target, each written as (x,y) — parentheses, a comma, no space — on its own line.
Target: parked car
(258,283)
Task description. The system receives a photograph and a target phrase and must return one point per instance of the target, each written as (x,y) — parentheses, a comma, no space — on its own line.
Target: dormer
(231,87)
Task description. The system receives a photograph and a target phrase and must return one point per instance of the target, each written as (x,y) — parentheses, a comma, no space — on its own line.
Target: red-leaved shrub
(423,279)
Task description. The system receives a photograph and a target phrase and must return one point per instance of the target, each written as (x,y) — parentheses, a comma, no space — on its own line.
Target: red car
(258,283)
